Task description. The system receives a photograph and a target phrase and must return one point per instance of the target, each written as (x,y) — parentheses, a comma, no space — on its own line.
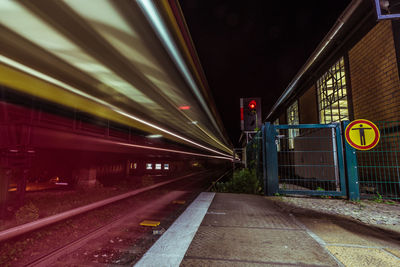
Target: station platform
(221,229)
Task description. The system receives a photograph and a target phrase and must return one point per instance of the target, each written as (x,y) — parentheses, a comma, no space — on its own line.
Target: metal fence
(308,159)
(379,168)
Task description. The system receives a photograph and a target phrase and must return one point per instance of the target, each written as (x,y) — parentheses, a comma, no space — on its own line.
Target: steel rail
(51,257)
(28,227)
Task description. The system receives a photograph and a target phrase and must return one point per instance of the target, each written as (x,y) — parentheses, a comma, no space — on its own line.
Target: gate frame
(346,157)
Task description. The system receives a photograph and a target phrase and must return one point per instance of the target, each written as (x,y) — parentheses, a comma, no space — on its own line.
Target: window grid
(332,94)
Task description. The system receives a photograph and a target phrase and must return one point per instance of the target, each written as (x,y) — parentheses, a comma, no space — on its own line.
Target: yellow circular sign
(362,134)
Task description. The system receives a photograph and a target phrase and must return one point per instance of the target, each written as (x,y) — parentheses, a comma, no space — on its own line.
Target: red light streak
(184,107)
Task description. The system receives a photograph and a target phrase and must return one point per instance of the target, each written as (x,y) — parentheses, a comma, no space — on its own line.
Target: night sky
(254,48)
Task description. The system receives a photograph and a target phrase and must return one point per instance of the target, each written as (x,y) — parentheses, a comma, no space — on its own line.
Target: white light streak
(173,151)
(63,85)
(154,136)
(155,20)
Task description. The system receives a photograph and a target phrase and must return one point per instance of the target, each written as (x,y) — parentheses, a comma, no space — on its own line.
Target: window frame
(340,87)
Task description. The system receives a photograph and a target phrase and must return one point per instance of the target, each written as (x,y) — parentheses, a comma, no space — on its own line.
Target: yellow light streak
(15,82)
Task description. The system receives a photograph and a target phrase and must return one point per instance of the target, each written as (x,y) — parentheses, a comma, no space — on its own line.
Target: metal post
(335,159)
(353,188)
(270,160)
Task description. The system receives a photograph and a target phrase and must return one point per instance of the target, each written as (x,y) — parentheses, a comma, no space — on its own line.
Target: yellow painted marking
(150,223)
(179,202)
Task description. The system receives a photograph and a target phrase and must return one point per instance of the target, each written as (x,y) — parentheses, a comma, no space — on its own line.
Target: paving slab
(258,245)
(242,203)
(248,230)
(361,257)
(234,219)
(395,252)
(350,233)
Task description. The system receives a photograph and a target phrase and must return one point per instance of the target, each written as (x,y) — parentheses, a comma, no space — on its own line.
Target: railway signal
(250,114)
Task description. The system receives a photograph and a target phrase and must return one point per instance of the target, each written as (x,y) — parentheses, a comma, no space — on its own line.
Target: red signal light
(252,104)
(184,107)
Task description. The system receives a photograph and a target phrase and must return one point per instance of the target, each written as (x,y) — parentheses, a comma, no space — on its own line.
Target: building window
(332,94)
(293,119)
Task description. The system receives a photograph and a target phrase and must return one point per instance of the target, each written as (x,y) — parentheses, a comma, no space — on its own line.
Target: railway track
(120,240)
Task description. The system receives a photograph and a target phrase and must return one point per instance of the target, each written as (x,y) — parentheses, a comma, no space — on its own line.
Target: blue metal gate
(309,159)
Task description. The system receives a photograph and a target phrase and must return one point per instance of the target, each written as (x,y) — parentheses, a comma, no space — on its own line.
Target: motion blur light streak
(111,61)
(175,151)
(170,133)
(154,136)
(76,91)
(153,15)
(47,78)
(184,107)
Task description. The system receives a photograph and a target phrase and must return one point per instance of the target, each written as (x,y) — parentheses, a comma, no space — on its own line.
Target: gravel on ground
(376,212)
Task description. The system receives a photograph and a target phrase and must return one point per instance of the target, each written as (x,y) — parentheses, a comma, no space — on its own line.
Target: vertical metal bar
(339,145)
(335,159)
(396,151)
(271,160)
(385,165)
(374,172)
(376,165)
(351,169)
(388,177)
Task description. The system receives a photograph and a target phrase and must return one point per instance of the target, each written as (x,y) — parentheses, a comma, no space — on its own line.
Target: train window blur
(158,166)
(133,165)
(166,166)
(149,166)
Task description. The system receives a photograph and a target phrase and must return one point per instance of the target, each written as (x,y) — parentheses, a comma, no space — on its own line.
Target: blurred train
(46,144)
(87,90)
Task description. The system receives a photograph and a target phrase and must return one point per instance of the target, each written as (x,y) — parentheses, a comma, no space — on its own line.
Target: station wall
(373,84)
(374,75)
(308,106)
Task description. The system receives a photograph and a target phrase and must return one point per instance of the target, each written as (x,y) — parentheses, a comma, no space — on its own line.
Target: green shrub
(243,181)
(27,213)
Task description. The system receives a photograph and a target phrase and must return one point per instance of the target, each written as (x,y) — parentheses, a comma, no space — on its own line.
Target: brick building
(353,74)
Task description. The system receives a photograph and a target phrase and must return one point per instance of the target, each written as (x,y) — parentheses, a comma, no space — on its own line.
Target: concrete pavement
(251,230)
